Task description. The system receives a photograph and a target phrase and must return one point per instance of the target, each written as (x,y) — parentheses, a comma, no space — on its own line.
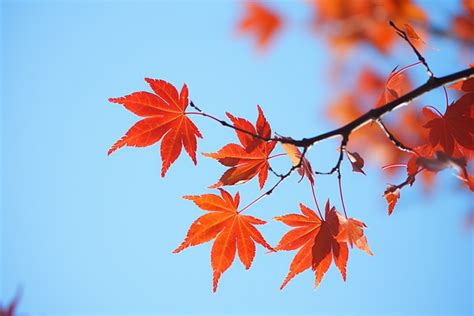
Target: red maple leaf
(453,131)
(391,194)
(233,232)
(250,158)
(317,241)
(261,21)
(165,119)
(326,246)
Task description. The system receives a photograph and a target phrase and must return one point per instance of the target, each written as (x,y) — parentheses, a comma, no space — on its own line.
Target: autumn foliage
(430,141)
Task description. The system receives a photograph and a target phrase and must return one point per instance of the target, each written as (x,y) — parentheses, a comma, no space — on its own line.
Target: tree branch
(374,114)
(404,35)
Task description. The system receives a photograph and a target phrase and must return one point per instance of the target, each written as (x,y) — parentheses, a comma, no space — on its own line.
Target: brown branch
(282,178)
(342,149)
(393,139)
(377,113)
(371,115)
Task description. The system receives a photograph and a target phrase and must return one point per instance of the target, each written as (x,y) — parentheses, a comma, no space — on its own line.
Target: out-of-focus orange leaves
(371,91)
(464,85)
(260,21)
(347,23)
(413,35)
(463,24)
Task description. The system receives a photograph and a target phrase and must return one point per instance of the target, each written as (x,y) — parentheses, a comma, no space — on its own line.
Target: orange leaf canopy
(233,232)
(261,21)
(164,119)
(248,159)
(320,241)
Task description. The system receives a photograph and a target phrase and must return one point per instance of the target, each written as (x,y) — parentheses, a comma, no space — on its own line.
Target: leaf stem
(393,139)
(340,192)
(404,35)
(277,155)
(315,200)
(435,109)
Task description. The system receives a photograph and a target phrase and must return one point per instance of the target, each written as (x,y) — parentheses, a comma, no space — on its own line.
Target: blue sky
(87,234)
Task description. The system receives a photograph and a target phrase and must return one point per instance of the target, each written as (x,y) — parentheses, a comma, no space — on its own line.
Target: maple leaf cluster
(426,141)
(320,239)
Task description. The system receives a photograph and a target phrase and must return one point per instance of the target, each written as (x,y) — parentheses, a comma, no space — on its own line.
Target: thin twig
(342,149)
(227,124)
(379,112)
(393,139)
(315,199)
(282,178)
(404,35)
(371,115)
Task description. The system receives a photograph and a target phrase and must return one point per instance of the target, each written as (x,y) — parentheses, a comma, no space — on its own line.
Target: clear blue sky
(87,234)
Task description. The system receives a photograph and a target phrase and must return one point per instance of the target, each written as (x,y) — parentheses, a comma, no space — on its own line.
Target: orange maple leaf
(302,236)
(165,119)
(261,21)
(317,241)
(351,230)
(250,158)
(233,232)
(453,131)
